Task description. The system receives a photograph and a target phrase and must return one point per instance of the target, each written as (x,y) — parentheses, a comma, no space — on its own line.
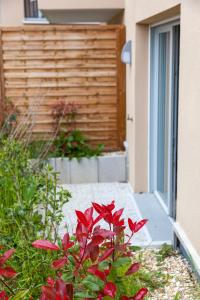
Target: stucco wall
(189,123)
(80,4)
(11,12)
(140,12)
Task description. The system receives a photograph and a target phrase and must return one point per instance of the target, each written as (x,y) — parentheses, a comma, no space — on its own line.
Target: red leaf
(133,269)
(119,223)
(140,224)
(82,219)
(125,298)
(110,206)
(97,219)
(46,245)
(50,281)
(108,217)
(70,290)
(105,233)
(3,296)
(140,294)
(106,254)
(66,243)
(7,272)
(94,253)
(59,263)
(61,289)
(88,214)
(97,207)
(47,293)
(93,270)
(131,225)
(6,256)
(97,240)
(117,215)
(110,289)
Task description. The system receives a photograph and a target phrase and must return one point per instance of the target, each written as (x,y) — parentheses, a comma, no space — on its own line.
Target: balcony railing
(31,9)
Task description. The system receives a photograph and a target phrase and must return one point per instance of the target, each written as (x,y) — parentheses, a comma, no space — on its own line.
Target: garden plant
(30,208)
(69,140)
(95,263)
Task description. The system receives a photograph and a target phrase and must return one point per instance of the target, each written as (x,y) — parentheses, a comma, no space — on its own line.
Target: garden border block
(106,168)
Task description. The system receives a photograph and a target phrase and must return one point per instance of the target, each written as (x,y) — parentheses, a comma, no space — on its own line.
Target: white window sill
(35,21)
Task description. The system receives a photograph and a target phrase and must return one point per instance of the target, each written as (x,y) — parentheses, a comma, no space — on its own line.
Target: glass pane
(163,116)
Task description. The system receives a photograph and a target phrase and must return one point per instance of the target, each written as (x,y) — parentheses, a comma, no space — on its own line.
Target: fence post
(121,88)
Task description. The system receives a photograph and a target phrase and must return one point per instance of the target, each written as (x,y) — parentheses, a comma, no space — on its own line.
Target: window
(31,9)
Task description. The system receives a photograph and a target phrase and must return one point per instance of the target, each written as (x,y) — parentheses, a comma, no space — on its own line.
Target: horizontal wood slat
(42,65)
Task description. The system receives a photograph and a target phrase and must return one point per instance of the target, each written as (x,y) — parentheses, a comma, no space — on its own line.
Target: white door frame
(154,31)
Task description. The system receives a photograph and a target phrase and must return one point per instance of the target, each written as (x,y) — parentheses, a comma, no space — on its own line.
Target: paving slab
(159,225)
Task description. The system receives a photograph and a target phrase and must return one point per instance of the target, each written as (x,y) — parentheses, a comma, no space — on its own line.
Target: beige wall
(189,123)
(139,15)
(80,4)
(11,12)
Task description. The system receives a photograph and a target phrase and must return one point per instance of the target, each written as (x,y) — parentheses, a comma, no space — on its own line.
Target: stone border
(105,168)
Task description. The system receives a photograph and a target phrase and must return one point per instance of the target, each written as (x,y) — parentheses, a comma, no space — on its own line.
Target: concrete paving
(136,206)
(159,225)
(104,193)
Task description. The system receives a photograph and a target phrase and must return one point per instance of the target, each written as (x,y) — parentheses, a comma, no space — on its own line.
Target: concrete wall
(11,12)
(80,4)
(139,14)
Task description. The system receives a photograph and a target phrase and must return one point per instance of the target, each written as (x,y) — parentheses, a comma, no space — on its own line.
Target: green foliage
(38,148)
(30,208)
(177,296)
(165,251)
(74,144)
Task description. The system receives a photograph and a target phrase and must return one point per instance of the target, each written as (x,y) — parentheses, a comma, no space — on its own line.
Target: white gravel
(180,278)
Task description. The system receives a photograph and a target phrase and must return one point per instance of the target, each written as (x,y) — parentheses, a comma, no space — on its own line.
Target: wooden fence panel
(80,64)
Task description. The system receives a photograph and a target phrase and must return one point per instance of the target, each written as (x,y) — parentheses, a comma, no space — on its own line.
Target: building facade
(19,12)
(163,107)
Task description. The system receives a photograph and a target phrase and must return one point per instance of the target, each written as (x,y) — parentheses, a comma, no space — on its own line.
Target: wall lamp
(126,56)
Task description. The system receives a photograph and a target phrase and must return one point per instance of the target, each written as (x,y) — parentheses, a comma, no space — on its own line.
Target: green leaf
(93,283)
(177,296)
(135,248)
(20,295)
(84,295)
(120,266)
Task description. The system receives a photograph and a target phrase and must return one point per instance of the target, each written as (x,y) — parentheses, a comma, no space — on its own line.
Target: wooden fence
(80,64)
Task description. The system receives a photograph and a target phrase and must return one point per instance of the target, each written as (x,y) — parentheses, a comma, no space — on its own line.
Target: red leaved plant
(89,260)
(6,271)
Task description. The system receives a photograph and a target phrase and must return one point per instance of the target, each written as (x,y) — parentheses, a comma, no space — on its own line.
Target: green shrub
(30,208)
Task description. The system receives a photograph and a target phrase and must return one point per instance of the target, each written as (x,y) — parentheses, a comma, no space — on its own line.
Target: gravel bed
(181,283)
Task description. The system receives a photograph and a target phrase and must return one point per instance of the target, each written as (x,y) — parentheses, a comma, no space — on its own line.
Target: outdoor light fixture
(127,53)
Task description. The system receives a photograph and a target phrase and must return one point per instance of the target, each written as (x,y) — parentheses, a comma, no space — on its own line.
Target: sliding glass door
(163,112)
